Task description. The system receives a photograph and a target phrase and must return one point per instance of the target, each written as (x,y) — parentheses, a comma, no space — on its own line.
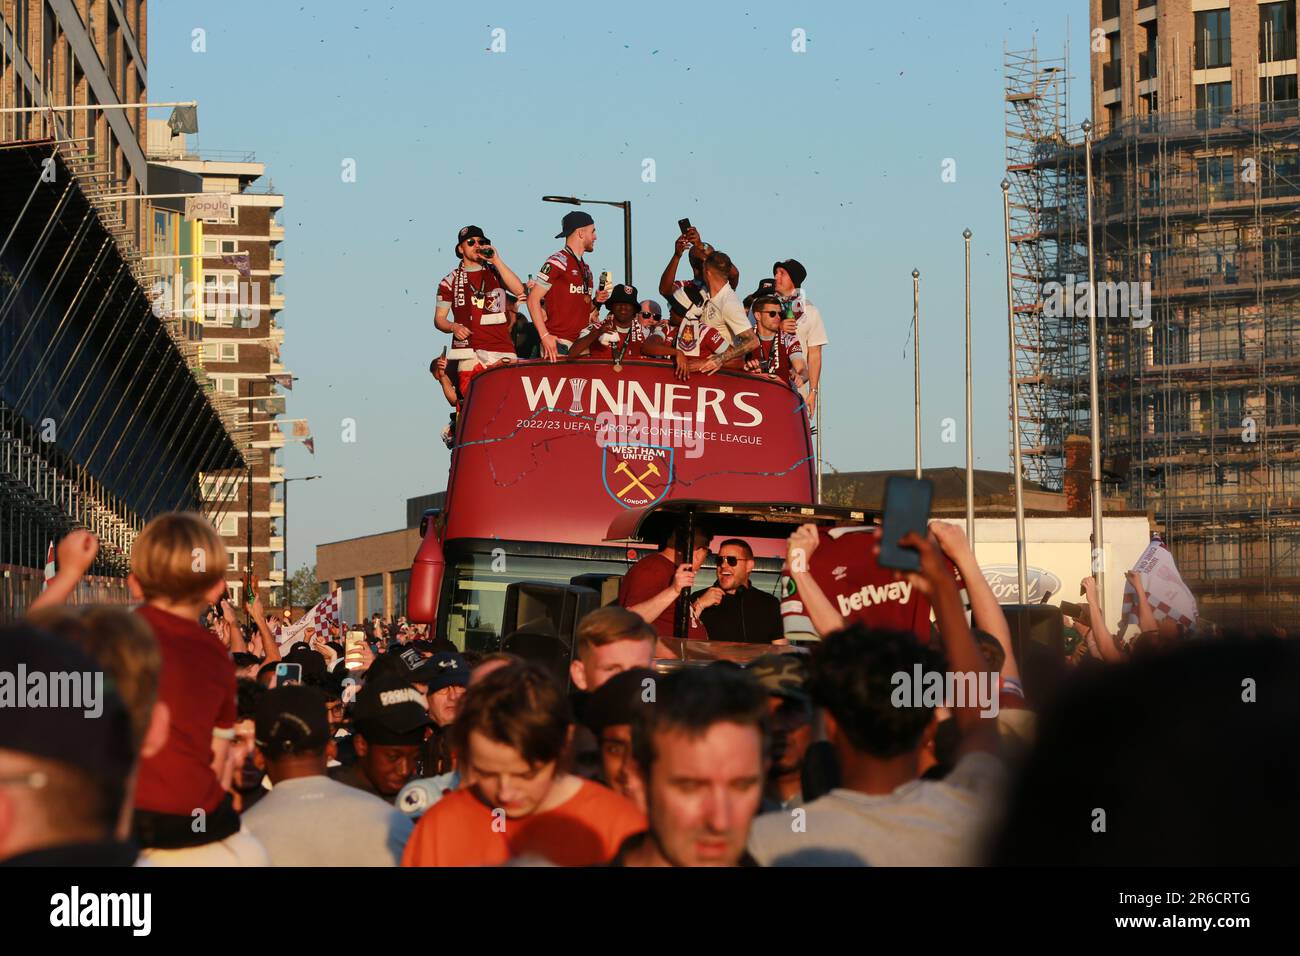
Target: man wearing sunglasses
(649,314)
(733,610)
(778,354)
(474,293)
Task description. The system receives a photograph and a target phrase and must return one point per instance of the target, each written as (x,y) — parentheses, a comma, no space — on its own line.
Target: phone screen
(684,225)
(352,658)
(287,674)
(907,508)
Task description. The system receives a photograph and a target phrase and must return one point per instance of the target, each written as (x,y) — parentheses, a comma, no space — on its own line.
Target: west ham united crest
(637,476)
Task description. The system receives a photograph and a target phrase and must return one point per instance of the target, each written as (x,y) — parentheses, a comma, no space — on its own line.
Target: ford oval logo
(1002,578)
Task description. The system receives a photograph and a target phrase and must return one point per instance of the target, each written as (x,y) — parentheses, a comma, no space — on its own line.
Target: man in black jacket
(733,610)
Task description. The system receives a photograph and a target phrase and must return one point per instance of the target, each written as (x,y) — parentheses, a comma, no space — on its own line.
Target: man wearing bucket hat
(620,336)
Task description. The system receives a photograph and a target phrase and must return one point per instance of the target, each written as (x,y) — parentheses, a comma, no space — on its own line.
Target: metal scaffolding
(1048,223)
(1198,290)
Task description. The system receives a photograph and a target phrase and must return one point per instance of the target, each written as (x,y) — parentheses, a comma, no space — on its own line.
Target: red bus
(547,456)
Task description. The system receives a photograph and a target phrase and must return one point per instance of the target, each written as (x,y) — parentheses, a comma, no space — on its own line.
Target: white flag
(320,618)
(1170,598)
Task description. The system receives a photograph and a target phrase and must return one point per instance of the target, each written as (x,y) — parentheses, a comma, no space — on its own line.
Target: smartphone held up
(907,509)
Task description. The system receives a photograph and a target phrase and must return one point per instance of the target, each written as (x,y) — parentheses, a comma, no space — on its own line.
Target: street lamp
(288,577)
(626,206)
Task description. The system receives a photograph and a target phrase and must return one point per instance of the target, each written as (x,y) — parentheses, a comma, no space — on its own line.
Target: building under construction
(1196,169)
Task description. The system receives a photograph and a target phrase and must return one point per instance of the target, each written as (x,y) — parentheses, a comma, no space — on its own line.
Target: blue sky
(832,156)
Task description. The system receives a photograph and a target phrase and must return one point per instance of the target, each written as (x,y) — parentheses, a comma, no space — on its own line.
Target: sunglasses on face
(647,315)
(730,560)
(769,312)
(476,242)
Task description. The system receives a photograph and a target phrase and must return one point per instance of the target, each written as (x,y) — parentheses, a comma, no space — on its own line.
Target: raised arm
(1146,616)
(269,644)
(650,609)
(1110,651)
(962,653)
(986,612)
(798,555)
(76,553)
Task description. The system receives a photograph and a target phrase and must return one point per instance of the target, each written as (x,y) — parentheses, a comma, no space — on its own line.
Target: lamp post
(626,206)
(1021,557)
(288,577)
(970,440)
(1098,546)
(916,357)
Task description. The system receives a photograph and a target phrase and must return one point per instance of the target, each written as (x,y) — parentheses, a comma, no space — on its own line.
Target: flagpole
(1098,545)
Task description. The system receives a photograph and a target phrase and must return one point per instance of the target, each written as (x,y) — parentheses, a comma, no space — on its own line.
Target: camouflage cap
(782,675)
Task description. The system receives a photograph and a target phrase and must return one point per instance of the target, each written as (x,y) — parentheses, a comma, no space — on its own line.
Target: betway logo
(665,402)
(577,289)
(900,591)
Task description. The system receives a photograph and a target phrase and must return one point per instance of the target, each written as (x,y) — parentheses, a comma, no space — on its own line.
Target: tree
(301,588)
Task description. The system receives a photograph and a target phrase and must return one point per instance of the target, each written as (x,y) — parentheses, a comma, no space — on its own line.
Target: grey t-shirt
(316,821)
(921,823)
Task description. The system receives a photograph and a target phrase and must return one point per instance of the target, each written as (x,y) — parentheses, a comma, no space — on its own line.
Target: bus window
(478,593)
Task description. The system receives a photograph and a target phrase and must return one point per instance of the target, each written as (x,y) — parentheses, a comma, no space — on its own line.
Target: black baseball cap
(797,272)
(291,719)
(573,221)
(618,700)
(390,712)
(625,294)
(88,730)
(444,669)
(467,231)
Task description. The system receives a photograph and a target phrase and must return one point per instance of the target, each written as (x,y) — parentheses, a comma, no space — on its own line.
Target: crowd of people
(213,745)
(775,331)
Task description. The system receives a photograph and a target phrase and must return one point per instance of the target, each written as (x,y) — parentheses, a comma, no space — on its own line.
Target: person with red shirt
(654,584)
(561,296)
(778,355)
(474,293)
(182,816)
(619,337)
(512,734)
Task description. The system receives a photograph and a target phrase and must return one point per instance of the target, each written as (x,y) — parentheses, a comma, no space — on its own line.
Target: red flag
(310,444)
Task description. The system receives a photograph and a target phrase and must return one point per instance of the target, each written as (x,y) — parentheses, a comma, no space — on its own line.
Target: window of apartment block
(374,594)
(348,600)
(401,581)
(1220,335)
(1275,88)
(112,64)
(1215,97)
(220,247)
(1213,37)
(1170,343)
(1149,59)
(220,352)
(226,384)
(1284,405)
(1221,408)
(1277,31)
(49,35)
(1215,175)
(229,526)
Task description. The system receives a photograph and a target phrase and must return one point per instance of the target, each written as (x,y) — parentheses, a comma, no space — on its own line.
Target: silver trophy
(576,386)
